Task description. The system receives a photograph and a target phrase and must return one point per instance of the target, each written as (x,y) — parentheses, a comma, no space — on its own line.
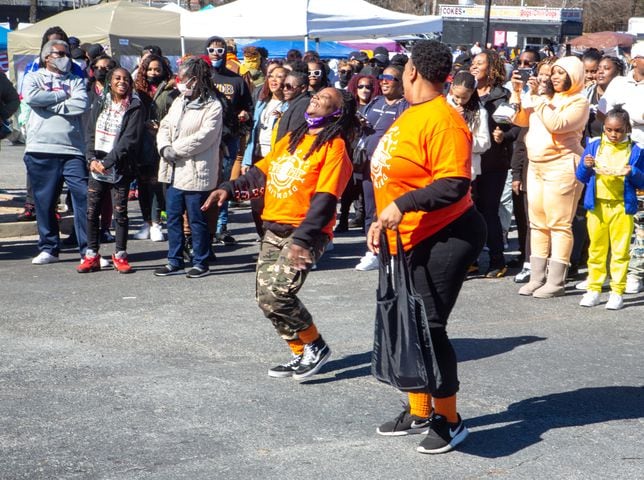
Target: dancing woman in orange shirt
(421,172)
(301,180)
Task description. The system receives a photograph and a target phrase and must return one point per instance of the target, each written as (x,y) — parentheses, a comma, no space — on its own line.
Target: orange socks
(308,335)
(296,346)
(447,408)
(420,404)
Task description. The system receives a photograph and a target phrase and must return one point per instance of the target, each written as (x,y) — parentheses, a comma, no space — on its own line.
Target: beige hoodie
(556,125)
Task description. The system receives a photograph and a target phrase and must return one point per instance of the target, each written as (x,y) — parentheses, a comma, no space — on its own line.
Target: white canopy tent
(308,19)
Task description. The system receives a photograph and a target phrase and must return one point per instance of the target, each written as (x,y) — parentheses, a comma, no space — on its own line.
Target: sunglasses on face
(217,50)
(289,87)
(525,63)
(344,71)
(315,73)
(387,78)
(368,87)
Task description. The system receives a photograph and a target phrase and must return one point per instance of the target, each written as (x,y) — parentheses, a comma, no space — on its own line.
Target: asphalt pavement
(109,376)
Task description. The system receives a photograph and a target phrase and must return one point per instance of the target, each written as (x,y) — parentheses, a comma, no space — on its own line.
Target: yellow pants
(553,193)
(609,227)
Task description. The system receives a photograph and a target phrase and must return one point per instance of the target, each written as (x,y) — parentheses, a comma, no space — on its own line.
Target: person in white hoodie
(55,149)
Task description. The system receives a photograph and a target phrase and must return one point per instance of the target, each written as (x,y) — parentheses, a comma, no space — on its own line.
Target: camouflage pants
(278,283)
(636,265)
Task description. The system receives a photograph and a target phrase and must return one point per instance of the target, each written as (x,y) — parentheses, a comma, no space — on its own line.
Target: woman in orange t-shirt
(421,172)
(301,180)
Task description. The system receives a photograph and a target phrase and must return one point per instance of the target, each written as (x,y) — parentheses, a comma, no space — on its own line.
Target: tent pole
(317,45)
(183,45)
(306,44)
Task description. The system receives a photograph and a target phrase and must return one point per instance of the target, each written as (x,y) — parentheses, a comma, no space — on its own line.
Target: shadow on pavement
(529,419)
(476,348)
(466,349)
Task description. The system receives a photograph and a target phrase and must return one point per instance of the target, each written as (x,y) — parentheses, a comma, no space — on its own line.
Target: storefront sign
(513,13)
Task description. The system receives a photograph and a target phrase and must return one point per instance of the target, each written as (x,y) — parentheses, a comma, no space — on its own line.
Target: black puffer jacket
(497,158)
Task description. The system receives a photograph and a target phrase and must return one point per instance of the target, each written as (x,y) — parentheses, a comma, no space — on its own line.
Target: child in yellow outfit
(613,170)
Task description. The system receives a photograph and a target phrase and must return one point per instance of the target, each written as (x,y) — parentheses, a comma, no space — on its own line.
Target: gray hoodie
(57,103)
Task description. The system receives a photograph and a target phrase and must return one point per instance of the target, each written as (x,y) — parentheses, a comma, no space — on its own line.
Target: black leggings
(438,267)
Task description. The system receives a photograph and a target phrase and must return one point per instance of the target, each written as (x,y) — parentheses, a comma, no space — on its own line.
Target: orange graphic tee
(427,142)
(292,181)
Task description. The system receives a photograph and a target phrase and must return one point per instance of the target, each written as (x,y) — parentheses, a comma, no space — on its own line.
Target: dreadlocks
(343,125)
(197,68)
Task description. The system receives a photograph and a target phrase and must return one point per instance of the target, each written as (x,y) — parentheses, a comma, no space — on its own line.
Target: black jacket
(239,97)
(127,144)
(293,117)
(497,158)
(9,100)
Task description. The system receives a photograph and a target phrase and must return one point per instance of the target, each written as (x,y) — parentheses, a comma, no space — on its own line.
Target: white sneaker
(143,233)
(44,258)
(590,299)
(156,234)
(584,285)
(368,262)
(615,302)
(633,284)
(105,263)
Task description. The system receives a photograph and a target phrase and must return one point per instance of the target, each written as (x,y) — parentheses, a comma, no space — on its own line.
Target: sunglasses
(289,87)
(315,73)
(368,87)
(218,50)
(387,78)
(525,63)
(344,71)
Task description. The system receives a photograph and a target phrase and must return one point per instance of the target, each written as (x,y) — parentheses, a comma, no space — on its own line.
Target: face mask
(100,75)
(154,79)
(63,64)
(217,63)
(320,121)
(81,63)
(183,88)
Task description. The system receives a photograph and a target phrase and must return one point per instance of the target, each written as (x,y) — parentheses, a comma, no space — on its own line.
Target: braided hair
(344,125)
(619,65)
(197,68)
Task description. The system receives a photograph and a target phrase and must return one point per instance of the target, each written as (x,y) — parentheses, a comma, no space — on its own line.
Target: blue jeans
(46,171)
(177,201)
(233,147)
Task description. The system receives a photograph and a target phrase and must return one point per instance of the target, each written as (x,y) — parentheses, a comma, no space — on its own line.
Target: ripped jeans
(96,190)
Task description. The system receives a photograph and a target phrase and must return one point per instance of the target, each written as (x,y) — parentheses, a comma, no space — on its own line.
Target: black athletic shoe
(315,355)
(443,436)
(404,424)
(168,270)
(197,271)
(286,369)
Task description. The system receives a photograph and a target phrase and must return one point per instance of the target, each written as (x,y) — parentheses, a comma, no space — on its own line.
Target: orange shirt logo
(382,155)
(286,173)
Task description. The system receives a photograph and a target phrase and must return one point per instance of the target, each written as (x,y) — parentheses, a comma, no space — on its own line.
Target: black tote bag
(402,349)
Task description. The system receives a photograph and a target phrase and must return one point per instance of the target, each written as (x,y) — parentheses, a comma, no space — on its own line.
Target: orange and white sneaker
(121,265)
(91,263)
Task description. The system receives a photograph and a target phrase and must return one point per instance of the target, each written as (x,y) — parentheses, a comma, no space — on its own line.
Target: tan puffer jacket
(193,129)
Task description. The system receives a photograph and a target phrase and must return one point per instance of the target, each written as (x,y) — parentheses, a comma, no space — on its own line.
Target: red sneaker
(89,264)
(121,265)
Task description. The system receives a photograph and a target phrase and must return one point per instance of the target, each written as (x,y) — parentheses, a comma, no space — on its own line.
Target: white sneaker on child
(615,302)
(584,285)
(590,299)
(143,233)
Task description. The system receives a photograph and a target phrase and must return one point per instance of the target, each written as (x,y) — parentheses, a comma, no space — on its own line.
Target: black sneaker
(286,369)
(315,355)
(225,238)
(523,276)
(443,436)
(404,424)
(197,271)
(168,270)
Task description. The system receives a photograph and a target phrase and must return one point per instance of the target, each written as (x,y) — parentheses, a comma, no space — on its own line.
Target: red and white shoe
(121,264)
(89,264)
